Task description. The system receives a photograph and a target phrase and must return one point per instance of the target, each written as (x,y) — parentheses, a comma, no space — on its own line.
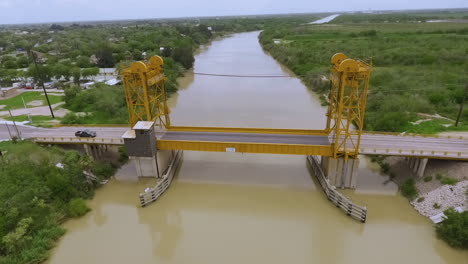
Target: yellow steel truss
(145,93)
(347,104)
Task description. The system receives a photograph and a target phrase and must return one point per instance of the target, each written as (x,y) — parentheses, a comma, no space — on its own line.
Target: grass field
(17,101)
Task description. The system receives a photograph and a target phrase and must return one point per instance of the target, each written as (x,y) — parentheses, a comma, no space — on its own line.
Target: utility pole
(26,108)
(14,124)
(42,83)
(9,132)
(460,111)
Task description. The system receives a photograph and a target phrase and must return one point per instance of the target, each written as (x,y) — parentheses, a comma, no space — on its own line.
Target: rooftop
(143,125)
(129,134)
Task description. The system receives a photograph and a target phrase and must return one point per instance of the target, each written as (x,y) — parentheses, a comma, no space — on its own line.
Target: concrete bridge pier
(95,151)
(88,150)
(418,165)
(340,172)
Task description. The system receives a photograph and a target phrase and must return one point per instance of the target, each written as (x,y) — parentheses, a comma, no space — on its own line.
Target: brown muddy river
(248,208)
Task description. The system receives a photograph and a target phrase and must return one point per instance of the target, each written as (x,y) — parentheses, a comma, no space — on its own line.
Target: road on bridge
(371,143)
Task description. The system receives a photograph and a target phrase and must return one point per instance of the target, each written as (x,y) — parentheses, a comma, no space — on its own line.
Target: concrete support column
(87,150)
(145,166)
(422,167)
(340,172)
(164,158)
(100,150)
(94,151)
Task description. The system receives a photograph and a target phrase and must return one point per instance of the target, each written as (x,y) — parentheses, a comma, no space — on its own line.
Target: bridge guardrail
(351,209)
(414,152)
(413,135)
(79,140)
(91,125)
(155,192)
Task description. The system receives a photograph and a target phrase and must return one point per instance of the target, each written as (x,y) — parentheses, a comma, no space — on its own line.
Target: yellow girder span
(243,147)
(248,130)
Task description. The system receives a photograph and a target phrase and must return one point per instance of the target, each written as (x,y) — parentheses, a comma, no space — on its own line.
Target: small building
(88,85)
(113,82)
(7,92)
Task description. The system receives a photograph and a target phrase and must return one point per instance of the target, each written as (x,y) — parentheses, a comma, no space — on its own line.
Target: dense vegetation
(76,50)
(418,67)
(454,230)
(37,195)
(400,17)
(101,105)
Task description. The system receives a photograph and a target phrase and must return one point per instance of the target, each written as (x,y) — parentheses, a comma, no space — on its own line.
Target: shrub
(439,176)
(385,167)
(77,207)
(408,189)
(420,199)
(454,230)
(427,178)
(123,156)
(103,170)
(448,180)
(436,206)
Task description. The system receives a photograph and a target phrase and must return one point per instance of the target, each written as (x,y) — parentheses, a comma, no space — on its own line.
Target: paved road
(370,144)
(247,138)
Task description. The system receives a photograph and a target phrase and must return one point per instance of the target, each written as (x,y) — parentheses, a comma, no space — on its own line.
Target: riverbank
(41,188)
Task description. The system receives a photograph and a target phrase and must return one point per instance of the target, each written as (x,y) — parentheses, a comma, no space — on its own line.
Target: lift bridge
(155,145)
(338,142)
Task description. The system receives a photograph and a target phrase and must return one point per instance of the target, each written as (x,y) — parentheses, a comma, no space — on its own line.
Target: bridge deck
(300,142)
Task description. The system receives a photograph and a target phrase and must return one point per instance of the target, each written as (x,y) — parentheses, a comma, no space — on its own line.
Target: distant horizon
(240,15)
(34,12)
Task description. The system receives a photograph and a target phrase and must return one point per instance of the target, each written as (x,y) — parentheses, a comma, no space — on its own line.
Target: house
(7,92)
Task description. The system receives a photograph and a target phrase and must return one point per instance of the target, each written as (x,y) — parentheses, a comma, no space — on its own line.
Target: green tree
(43,72)
(454,230)
(88,72)
(184,55)
(83,62)
(22,62)
(76,74)
(105,58)
(60,70)
(10,64)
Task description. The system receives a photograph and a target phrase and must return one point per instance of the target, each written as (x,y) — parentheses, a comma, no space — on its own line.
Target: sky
(37,11)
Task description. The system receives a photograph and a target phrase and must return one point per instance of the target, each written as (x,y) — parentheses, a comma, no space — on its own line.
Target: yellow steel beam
(294,149)
(249,130)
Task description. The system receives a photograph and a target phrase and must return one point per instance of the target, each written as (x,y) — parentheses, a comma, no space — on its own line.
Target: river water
(248,208)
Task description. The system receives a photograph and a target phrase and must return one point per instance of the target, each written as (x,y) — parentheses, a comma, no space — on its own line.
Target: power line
(243,76)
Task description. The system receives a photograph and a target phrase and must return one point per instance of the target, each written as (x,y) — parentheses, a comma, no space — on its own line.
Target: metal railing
(79,140)
(412,135)
(414,153)
(152,194)
(351,209)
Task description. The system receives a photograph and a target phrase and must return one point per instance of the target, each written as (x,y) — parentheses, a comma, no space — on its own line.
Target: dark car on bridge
(85,133)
